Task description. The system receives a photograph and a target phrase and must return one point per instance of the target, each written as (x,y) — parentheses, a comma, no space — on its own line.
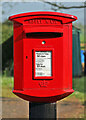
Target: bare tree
(56,6)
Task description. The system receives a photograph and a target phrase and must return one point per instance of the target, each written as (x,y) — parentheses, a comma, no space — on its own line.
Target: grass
(78,84)
(82,37)
(79,89)
(7,82)
(78,95)
(7,86)
(7,32)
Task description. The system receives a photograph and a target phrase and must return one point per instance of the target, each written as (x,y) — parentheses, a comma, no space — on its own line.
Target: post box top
(64,18)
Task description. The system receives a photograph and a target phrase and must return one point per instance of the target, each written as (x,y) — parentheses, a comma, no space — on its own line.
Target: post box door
(56,59)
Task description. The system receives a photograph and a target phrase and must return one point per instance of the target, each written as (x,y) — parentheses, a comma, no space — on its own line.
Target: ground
(15,108)
(70,108)
(18,108)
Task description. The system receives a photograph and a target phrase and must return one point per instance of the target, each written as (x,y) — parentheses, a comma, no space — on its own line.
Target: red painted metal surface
(30,30)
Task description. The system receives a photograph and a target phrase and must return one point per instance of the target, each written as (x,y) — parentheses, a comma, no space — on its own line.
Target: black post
(42,111)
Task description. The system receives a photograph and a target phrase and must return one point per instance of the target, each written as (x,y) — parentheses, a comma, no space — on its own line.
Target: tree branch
(64,7)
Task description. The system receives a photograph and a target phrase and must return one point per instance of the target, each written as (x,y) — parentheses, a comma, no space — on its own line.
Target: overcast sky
(13,8)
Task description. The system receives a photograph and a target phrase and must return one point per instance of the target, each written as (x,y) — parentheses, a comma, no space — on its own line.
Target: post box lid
(64,18)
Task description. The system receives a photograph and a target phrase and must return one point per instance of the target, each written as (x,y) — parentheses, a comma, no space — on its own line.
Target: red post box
(42,55)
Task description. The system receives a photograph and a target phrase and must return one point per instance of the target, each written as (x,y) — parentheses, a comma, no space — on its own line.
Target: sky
(12,8)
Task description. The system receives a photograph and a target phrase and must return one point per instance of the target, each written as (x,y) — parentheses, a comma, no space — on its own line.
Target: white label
(43,63)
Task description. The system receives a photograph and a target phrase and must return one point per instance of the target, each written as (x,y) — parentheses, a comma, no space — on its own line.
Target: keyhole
(26,57)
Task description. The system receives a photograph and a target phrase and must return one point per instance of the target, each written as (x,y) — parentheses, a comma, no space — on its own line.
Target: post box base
(48,99)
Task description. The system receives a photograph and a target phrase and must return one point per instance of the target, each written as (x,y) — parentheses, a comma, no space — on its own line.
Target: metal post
(42,111)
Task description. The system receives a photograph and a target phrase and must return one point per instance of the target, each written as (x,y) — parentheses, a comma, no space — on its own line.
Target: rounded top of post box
(65,18)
